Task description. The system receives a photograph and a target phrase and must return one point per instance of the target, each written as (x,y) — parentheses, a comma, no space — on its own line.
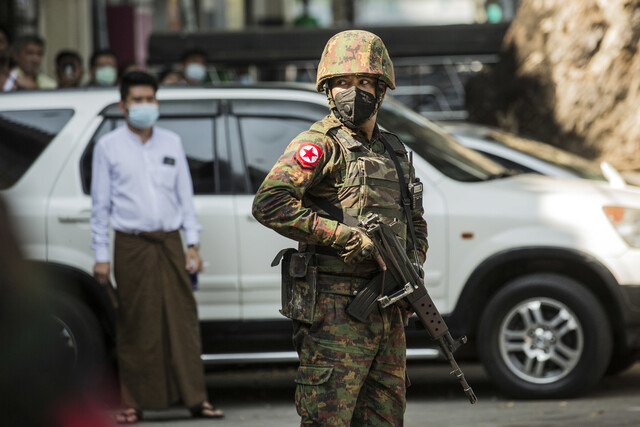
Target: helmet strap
(379,92)
(332,102)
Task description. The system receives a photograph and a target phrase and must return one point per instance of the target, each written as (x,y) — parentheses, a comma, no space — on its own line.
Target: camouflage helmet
(355,52)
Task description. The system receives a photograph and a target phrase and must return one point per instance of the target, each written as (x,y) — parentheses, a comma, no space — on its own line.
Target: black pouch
(299,284)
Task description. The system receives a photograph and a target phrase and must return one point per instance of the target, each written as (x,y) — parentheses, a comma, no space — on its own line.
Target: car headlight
(626,221)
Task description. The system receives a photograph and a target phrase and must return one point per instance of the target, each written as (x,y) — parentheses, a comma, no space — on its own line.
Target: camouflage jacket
(314,164)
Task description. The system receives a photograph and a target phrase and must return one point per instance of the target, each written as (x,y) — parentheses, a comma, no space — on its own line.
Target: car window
(175,108)
(266,127)
(549,154)
(265,139)
(195,122)
(87,157)
(23,137)
(508,163)
(197,141)
(439,149)
(279,108)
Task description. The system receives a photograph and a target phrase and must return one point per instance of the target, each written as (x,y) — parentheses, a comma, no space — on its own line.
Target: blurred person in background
(103,68)
(28,53)
(5,40)
(5,70)
(128,67)
(69,69)
(194,67)
(38,385)
(171,77)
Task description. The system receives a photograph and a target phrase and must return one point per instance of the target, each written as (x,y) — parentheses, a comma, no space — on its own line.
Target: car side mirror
(616,180)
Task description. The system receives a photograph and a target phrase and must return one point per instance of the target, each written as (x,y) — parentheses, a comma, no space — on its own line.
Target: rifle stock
(405,283)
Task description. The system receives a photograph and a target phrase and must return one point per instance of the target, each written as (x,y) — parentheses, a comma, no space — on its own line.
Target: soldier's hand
(358,248)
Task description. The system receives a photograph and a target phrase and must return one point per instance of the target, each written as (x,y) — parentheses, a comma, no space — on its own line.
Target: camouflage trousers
(351,373)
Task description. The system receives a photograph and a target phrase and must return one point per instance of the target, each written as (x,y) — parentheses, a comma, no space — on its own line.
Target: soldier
(351,372)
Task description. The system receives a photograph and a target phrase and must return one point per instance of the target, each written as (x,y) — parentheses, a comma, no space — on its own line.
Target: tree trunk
(569,74)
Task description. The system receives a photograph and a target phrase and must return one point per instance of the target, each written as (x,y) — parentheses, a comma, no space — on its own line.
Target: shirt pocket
(166,176)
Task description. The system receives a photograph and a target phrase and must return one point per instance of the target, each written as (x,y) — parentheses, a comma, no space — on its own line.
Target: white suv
(542,274)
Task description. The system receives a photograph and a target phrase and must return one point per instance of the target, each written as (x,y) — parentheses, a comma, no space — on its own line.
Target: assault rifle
(404,283)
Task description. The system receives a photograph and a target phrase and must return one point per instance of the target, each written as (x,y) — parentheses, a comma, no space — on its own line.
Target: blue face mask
(106,75)
(196,72)
(142,116)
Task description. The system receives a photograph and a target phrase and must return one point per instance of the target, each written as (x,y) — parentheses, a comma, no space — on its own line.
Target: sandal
(129,416)
(206,410)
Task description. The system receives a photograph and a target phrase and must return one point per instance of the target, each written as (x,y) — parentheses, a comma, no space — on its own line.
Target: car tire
(544,336)
(621,362)
(78,339)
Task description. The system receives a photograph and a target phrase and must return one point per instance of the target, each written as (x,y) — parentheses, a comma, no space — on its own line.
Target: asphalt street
(264,397)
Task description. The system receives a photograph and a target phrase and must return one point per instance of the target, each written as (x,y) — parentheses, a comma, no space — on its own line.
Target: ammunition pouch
(299,284)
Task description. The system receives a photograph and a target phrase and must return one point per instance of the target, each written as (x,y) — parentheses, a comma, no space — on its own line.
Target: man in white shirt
(141,184)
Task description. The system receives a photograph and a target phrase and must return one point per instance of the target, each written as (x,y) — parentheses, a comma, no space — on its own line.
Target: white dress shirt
(140,187)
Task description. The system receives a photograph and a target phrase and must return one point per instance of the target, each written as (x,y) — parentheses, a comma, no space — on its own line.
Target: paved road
(264,397)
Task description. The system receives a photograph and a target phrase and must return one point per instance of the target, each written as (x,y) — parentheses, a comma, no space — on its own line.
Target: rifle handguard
(409,286)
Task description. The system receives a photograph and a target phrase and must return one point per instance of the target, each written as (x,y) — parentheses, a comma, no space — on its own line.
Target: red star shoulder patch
(308,155)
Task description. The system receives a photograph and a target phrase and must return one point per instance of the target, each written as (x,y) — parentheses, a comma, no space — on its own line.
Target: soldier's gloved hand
(355,246)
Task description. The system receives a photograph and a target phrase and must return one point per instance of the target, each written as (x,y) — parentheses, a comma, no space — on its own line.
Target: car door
(200,127)
(263,129)
(205,143)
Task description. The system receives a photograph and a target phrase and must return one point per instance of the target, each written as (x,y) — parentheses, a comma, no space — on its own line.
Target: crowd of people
(21,67)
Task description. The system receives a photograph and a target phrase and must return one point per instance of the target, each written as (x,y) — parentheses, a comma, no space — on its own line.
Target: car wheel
(78,338)
(544,336)
(621,362)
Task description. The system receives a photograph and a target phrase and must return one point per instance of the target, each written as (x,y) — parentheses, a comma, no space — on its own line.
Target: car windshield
(439,149)
(572,163)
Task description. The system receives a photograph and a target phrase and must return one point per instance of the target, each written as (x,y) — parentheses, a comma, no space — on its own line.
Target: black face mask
(355,106)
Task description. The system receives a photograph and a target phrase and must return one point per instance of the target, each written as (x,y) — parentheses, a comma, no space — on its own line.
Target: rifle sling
(403,192)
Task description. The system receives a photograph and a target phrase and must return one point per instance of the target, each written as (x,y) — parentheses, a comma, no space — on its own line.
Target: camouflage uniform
(351,373)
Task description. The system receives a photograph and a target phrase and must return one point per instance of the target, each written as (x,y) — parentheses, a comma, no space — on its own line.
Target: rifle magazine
(366,300)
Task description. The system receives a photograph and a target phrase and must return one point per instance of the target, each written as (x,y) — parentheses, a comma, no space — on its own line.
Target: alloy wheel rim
(541,340)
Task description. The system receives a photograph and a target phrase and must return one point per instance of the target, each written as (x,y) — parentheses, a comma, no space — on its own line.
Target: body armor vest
(370,184)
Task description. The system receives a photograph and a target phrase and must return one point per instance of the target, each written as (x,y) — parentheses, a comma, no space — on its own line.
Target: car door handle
(79,219)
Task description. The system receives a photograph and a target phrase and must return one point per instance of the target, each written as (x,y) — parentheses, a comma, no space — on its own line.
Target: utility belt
(340,285)
(306,274)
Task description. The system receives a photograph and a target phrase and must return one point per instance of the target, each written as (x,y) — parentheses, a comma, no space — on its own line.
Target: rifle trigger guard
(386,301)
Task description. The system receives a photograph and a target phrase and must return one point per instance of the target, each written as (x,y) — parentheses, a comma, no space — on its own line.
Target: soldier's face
(339,84)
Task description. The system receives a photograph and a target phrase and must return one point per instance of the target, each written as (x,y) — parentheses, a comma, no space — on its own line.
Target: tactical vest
(370,184)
